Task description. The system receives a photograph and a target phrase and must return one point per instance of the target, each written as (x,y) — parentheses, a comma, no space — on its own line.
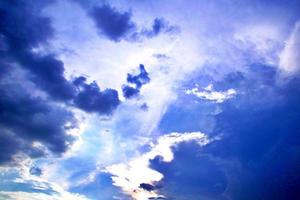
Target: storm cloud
(31,124)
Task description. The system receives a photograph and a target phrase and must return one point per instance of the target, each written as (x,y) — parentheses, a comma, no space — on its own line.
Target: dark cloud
(91,99)
(156,198)
(23,28)
(112,23)
(147,186)
(117,25)
(137,80)
(140,79)
(8,146)
(47,72)
(129,91)
(25,120)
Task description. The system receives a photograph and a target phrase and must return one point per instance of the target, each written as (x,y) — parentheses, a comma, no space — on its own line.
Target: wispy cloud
(290,56)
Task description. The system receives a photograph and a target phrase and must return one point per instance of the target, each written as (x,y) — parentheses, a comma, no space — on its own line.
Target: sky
(149,99)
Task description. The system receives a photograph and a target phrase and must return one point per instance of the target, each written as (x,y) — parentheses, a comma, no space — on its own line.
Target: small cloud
(144,107)
(91,99)
(160,25)
(137,81)
(209,94)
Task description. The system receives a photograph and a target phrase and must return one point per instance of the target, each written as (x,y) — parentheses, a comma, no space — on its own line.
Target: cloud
(47,73)
(137,80)
(39,196)
(17,182)
(29,125)
(209,94)
(113,24)
(91,99)
(130,177)
(36,98)
(160,25)
(289,59)
(147,187)
(29,31)
(117,25)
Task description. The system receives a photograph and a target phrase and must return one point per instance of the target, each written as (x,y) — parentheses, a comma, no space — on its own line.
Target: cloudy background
(142,100)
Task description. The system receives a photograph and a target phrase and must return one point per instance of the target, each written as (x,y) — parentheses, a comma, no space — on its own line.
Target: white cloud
(41,196)
(209,94)
(128,176)
(290,56)
(19,177)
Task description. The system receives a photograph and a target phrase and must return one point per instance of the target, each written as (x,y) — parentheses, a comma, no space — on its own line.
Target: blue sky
(141,100)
